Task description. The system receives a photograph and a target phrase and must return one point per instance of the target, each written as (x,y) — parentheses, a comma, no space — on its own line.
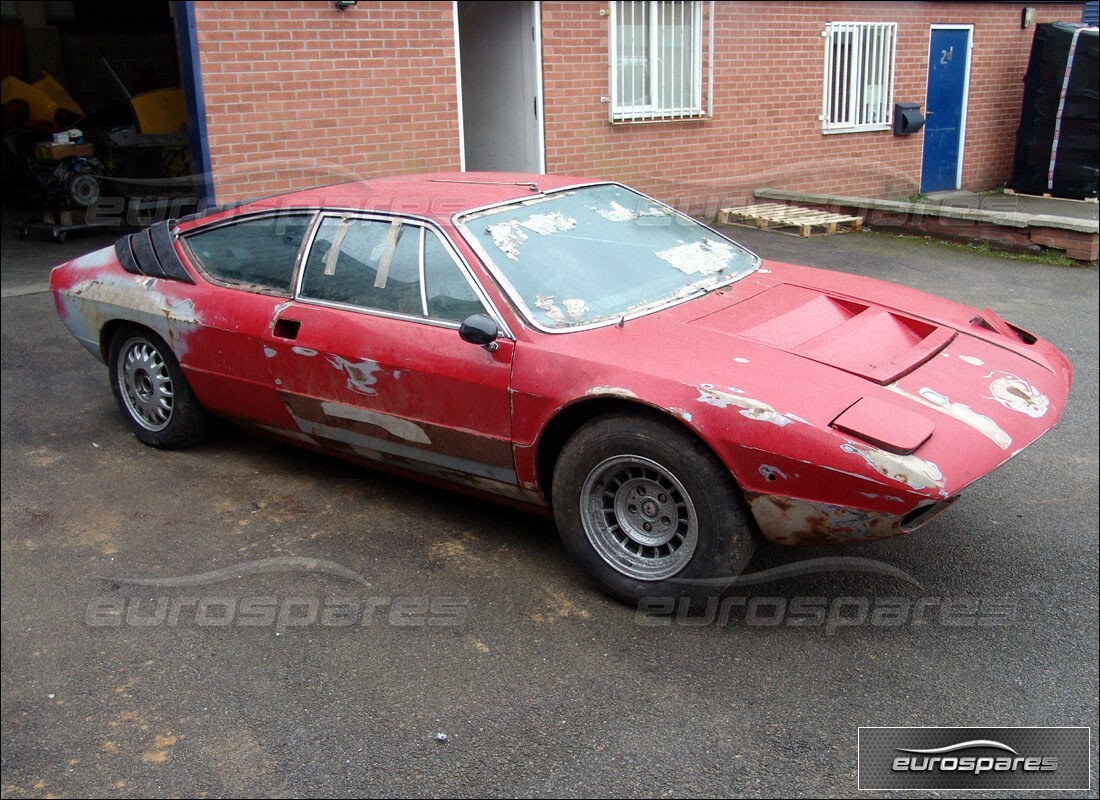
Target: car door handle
(286,329)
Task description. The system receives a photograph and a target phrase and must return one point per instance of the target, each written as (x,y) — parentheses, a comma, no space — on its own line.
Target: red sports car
(571,346)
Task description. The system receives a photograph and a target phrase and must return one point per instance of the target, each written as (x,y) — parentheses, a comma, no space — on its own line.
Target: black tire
(152,392)
(649,511)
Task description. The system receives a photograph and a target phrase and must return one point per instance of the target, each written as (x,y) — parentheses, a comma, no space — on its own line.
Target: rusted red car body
(845,408)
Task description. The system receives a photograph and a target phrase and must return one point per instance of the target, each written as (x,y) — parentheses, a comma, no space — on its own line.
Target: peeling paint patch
(788,520)
(1019,395)
(304,351)
(887,497)
(399,427)
(508,237)
(740,360)
(771,473)
(910,470)
(616,212)
(972,360)
(682,413)
(545,224)
(613,391)
(89,304)
(575,308)
(550,308)
(963,413)
(270,352)
(361,376)
(699,258)
(751,409)
(104,257)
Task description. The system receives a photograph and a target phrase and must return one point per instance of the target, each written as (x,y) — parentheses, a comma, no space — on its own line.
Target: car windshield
(598,253)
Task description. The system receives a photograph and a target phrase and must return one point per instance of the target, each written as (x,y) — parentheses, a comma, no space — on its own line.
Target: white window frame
(698,62)
(847,104)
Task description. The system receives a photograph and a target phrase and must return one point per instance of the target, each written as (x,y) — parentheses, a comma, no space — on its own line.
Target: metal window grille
(658,60)
(859,76)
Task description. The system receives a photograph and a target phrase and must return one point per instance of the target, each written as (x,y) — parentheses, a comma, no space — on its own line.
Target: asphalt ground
(354,634)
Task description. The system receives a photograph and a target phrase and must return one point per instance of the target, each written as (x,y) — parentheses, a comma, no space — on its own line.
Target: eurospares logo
(974,758)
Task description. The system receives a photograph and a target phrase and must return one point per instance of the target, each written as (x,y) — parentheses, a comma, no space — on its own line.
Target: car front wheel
(152,392)
(649,511)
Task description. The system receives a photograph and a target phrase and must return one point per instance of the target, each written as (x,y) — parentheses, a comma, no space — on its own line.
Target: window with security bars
(658,60)
(859,76)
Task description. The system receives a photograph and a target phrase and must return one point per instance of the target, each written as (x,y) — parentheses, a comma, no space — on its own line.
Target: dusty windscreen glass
(600,253)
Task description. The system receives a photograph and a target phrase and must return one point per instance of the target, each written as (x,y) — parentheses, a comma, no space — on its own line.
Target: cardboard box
(48,151)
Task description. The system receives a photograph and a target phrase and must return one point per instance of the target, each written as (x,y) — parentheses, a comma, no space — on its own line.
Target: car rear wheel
(649,511)
(152,392)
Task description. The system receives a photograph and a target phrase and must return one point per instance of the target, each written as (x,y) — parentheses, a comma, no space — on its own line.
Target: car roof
(437,196)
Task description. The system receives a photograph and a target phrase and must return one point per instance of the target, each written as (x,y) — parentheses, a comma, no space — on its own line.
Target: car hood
(833,369)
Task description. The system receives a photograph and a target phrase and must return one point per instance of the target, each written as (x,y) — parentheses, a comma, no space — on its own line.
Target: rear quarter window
(259,252)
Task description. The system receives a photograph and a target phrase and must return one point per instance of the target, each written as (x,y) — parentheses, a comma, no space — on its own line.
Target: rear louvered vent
(151,252)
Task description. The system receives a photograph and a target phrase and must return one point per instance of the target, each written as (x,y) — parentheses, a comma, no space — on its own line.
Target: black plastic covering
(1060,120)
(151,252)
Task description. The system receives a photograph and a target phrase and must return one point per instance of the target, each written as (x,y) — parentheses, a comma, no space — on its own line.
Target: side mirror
(480,330)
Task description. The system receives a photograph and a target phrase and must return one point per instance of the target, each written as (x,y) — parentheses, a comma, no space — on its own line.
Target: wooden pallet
(775,216)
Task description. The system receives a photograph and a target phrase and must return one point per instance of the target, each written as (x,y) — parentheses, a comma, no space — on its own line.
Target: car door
(249,264)
(368,359)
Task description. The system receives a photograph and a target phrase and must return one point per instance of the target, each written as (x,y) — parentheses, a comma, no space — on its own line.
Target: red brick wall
(767,97)
(300,94)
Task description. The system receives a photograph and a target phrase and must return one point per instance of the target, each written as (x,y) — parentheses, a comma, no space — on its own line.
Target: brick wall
(768,85)
(300,94)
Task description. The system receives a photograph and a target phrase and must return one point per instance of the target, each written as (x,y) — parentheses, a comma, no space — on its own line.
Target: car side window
(259,252)
(449,295)
(376,264)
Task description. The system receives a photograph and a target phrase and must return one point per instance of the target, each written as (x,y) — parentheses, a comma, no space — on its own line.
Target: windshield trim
(461,219)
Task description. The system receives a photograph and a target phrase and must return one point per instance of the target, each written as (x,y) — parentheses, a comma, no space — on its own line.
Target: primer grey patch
(415,458)
(399,427)
(91,303)
(361,376)
(1019,395)
(308,352)
(750,408)
(699,258)
(270,352)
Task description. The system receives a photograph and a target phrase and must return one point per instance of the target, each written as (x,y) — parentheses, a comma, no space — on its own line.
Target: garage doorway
(500,86)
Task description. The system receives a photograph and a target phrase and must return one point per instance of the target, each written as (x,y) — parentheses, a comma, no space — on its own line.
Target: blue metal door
(948,62)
